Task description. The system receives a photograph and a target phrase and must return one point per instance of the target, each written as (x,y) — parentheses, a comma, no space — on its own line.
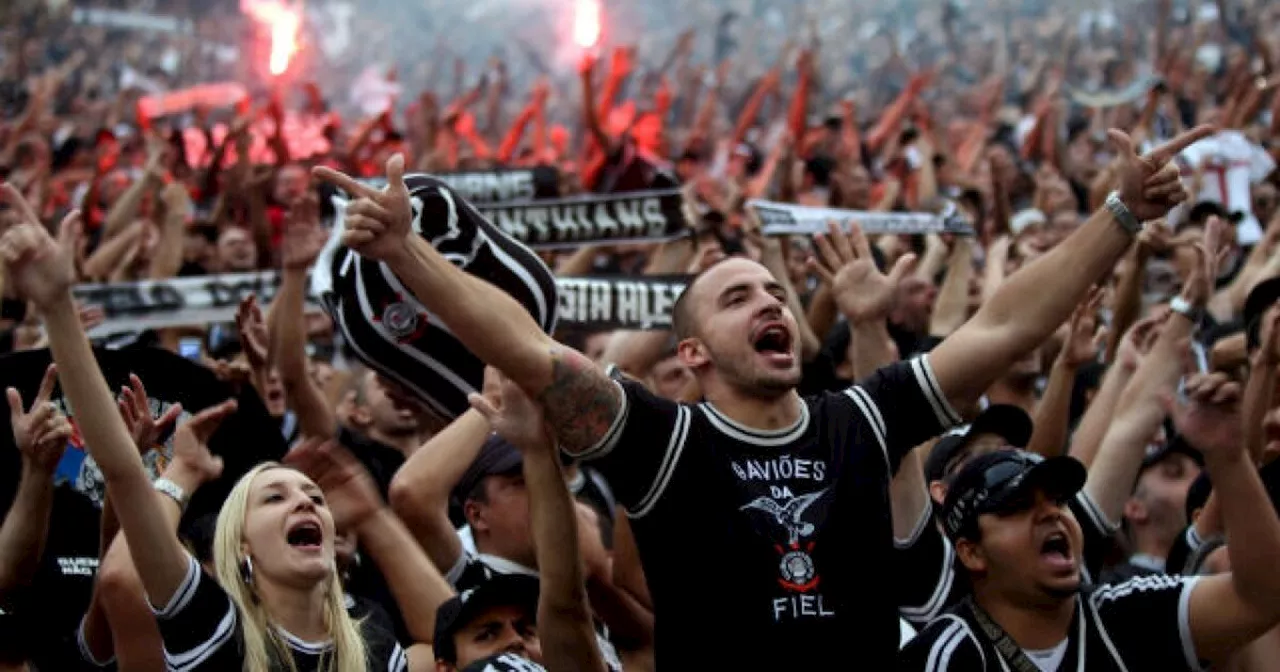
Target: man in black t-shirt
(931,583)
(1020,547)
(761,510)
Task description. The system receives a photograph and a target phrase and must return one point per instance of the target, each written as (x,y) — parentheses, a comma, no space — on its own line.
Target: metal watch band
(172,490)
(1122,214)
(1183,307)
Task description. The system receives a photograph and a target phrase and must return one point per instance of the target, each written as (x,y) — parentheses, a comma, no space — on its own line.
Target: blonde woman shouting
(276,603)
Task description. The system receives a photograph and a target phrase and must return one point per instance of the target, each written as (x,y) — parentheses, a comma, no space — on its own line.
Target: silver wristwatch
(173,491)
(1184,308)
(1122,214)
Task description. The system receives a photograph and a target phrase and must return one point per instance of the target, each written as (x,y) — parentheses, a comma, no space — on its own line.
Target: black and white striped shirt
(200,627)
(1141,624)
(772,549)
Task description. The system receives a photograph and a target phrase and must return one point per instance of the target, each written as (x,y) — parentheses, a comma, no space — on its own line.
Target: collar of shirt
(1146,561)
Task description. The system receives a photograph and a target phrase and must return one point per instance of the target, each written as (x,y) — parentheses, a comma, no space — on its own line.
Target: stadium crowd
(294,387)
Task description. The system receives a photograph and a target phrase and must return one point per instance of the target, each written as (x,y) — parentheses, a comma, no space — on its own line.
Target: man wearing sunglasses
(1021,548)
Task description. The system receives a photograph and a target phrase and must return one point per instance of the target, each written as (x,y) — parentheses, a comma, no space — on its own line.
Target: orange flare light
(282,20)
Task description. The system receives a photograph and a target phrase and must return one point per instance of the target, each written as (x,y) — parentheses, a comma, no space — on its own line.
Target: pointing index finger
(1170,149)
(344,182)
(46,384)
(13,197)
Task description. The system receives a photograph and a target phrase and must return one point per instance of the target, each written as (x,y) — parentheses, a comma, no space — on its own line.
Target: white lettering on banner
(156,304)
(498,187)
(780,468)
(786,219)
(78,566)
(796,607)
(640,218)
(629,305)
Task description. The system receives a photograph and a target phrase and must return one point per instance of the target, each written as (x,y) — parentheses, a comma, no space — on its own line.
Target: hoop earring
(246,570)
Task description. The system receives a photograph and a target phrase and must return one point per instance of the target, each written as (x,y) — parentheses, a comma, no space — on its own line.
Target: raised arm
(303,241)
(564,619)
(1052,418)
(1032,303)
(119,626)
(43,273)
(1140,411)
(41,435)
(420,489)
(1097,418)
(1226,612)
(580,401)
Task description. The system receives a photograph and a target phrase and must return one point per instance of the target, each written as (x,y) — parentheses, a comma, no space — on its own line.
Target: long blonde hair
(259,637)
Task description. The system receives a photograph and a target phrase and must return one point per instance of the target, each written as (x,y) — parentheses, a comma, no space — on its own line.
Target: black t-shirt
(200,627)
(781,538)
(931,584)
(46,617)
(1137,625)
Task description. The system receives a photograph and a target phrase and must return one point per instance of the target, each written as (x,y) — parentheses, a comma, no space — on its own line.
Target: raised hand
(41,271)
(135,409)
(191,456)
(235,374)
(377,221)
(351,493)
(1156,237)
(1209,418)
(1198,288)
(845,263)
(303,236)
(253,332)
(513,415)
(41,432)
(1081,346)
(1138,341)
(1150,184)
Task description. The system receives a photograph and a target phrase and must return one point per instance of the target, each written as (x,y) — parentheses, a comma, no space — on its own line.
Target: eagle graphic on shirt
(788,513)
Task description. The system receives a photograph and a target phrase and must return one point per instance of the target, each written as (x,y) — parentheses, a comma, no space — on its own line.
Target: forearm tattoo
(581,402)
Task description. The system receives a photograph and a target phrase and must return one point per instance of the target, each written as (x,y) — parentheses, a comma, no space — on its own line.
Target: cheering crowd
(1041,440)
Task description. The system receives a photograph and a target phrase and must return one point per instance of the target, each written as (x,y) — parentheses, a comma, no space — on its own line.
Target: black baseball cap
(1006,421)
(501,590)
(1003,482)
(1259,300)
(1174,446)
(497,458)
(1202,211)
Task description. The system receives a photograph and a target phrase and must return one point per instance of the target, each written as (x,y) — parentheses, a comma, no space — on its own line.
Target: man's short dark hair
(682,317)
(683,320)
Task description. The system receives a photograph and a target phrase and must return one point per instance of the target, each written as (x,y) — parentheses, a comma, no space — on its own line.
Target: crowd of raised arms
(759,336)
